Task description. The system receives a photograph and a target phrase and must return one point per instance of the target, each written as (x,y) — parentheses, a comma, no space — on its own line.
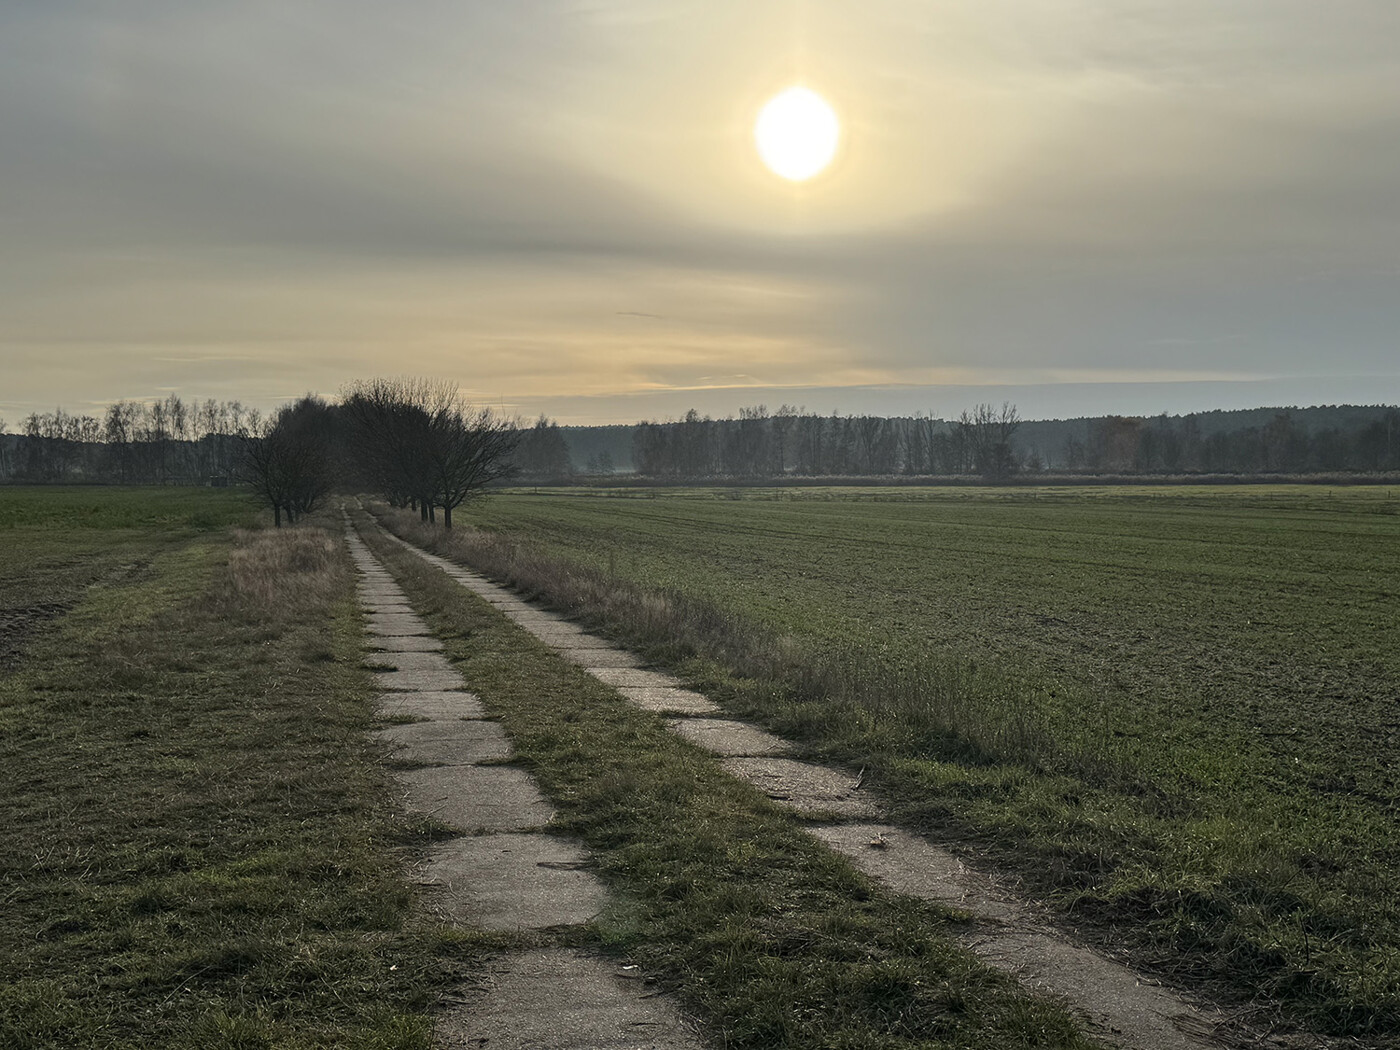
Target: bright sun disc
(797,133)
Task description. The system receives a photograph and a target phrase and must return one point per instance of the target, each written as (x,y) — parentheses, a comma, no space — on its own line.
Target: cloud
(560,198)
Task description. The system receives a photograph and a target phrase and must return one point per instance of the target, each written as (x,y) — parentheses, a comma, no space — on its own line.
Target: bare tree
(287,462)
(389,426)
(987,433)
(469,449)
(422,444)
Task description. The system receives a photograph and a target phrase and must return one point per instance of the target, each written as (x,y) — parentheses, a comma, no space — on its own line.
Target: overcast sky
(1086,206)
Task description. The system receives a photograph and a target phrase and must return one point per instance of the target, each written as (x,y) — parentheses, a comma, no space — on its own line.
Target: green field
(198,845)
(1173,710)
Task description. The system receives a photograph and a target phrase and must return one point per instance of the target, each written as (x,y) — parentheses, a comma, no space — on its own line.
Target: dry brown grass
(278,572)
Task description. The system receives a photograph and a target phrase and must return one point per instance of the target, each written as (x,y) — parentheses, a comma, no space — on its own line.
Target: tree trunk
(277,514)
(432,512)
(446,516)
(422,510)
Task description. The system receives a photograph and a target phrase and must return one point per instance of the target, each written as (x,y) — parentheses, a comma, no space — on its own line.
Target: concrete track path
(1121,1006)
(505,872)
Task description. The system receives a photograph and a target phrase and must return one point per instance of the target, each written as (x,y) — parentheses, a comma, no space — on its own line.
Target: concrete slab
(564,1000)
(669,701)
(380,594)
(405,643)
(725,737)
(455,742)
(417,681)
(510,881)
(916,867)
(410,661)
(430,705)
(631,676)
(477,798)
(389,606)
(479,589)
(528,610)
(529,616)
(806,787)
(591,659)
(567,636)
(389,625)
(1134,1012)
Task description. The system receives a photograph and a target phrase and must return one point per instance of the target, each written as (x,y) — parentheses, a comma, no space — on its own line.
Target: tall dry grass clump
(279,572)
(933,705)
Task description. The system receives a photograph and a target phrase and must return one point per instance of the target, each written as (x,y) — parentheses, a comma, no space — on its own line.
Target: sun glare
(797,133)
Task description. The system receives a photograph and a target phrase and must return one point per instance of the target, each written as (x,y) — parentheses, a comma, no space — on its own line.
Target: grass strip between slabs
(766,935)
(199,846)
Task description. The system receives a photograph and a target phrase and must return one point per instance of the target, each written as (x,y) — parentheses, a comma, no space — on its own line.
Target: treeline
(790,441)
(156,443)
(1288,443)
(174,442)
(994,443)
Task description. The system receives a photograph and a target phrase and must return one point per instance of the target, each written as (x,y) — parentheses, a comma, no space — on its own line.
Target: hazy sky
(1084,205)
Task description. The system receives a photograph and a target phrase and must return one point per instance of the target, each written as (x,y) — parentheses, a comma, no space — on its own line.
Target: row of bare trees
(760,444)
(168,441)
(416,441)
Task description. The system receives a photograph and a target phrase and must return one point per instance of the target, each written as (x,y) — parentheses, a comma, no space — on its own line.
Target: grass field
(197,845)
(1174,710)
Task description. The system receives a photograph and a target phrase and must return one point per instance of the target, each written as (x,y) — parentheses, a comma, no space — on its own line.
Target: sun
(797,132)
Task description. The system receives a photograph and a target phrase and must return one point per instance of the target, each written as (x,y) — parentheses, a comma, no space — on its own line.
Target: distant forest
(993,442)
(174,442)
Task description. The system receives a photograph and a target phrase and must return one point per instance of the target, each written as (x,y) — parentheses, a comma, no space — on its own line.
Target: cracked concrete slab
(564,1000)
(1115,999)
(435,705)
(593,659)
(668,700)
(405,643)
(916,867)
(633,677)
(529,617)
(391,625)
(808,788)
(566,636)
(417,680)
(456,742)
(509,881)
(409,661)
(725,737)
(477,798)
